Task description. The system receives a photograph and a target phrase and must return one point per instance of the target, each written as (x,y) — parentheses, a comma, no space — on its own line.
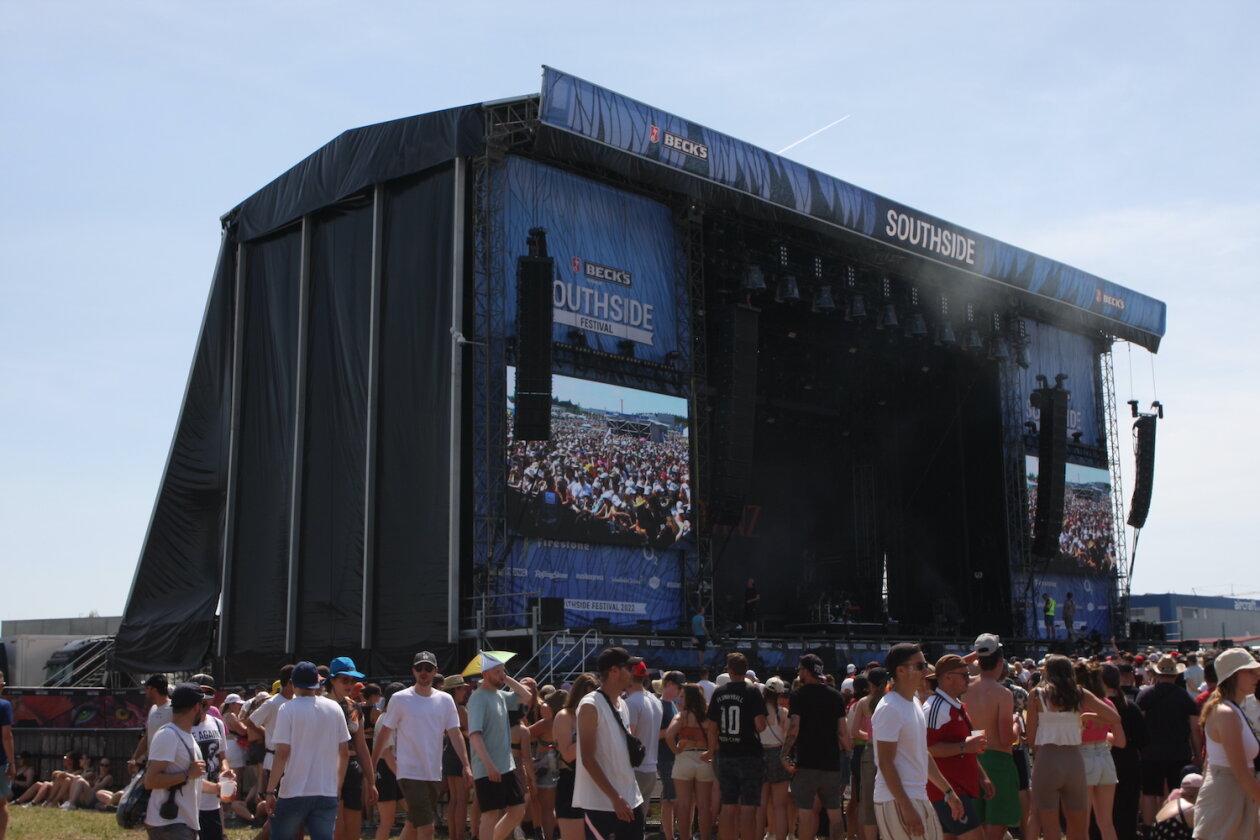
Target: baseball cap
(851,669)
(1192,780)
(987,644)
(776,684)
(306,675)
(640,669)
(343,666)
(205,681)
(948,663)
(426,656)
(232,698)
(751,674)
(813,663)
(185,696)
(614,657)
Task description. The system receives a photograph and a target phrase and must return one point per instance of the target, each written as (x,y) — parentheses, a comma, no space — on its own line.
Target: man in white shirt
(211,739)
(420,716)
(312,752)
(156,689)
(262,722)
(645,724)
(604,784)
(174,769)
(903,765)
(707,686)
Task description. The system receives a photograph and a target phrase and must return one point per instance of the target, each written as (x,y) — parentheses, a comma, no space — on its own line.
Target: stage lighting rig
(1021,344)
(973,341)
(998,349)
(857,303)
(917,325)
(754,281)
(944,331)
(823,301)
(786,291)
(888,310)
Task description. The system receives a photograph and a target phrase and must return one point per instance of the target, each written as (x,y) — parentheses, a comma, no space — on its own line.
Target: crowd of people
(590,483)
(1087,542)
(971,746)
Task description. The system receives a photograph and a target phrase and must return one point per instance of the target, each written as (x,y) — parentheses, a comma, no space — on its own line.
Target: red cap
(640,669)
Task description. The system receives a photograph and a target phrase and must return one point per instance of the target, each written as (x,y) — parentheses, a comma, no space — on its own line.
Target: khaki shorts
(422,800)
(689,768)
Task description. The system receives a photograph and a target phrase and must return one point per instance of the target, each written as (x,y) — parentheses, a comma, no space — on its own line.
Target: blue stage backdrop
(1052,351)
(619,265)
(1093,596)
(623,585)
(581,108)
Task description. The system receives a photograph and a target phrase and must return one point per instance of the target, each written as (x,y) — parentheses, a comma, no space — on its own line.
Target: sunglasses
(918,666)
(424,666)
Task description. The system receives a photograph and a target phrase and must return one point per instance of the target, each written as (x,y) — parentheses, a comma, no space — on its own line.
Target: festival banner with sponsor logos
(581,108)
(619,267)
(1052,351)
(624,585)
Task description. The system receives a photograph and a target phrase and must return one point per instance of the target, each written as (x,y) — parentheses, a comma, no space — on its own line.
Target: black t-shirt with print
(735,708)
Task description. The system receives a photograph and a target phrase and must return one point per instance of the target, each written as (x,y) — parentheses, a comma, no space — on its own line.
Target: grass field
(54,824)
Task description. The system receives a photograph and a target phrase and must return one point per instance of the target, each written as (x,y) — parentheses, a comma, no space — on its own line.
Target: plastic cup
(975,732)
(227,790)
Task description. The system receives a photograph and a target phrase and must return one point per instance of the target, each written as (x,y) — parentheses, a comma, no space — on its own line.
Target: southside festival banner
(579,107)
(619,267)
(623,585)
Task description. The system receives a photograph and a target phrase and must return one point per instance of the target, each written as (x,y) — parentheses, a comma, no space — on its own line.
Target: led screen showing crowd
(1086,543)
(617,468)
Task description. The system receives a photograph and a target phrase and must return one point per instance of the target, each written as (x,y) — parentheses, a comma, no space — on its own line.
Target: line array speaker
(1051,470)
(533,339)
(1144,429)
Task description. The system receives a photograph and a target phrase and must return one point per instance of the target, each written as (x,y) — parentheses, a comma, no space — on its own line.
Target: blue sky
(1119,138)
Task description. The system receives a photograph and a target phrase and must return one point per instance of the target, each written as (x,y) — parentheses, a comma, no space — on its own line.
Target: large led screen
(617,468)
(1087,542)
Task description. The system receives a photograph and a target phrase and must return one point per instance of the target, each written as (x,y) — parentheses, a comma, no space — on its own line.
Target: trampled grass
(54,824)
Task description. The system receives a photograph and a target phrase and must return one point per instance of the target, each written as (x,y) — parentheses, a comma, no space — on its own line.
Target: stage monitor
(616,470)
(1086,544)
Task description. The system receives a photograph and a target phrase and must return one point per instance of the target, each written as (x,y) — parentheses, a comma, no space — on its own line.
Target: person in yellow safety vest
(1047,613)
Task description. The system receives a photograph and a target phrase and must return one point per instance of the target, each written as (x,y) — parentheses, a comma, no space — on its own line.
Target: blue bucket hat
(343,666)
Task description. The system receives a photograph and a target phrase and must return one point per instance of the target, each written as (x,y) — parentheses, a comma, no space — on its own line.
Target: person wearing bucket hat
(1227,804)
(358,789)
(1173,733)
(498,791)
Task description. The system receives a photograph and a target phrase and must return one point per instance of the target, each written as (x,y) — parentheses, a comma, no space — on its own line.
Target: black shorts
(386,783)
(564,796)
(211,824)
(352,787)
(1157,773)
(1020,755)
(604,825)
(495,796)
(701,642)
(451,765)
(740,778)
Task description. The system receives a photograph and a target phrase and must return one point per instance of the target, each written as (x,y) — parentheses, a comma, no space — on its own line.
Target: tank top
(1216,750)
(1061,728)
(610,752)
(1096,733)
(772,735)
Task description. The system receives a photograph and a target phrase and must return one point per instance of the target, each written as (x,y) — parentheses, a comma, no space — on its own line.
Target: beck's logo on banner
(1108,300)
(607,313)
(699,151)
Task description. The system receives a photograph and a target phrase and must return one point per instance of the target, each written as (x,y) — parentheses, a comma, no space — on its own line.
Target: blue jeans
(317,813)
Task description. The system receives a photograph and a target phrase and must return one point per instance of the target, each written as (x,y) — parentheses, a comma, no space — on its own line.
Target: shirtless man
(992,708)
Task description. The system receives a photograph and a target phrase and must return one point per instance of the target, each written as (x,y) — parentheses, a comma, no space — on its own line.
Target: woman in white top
(1227,803)
(774,791)
(1054,734)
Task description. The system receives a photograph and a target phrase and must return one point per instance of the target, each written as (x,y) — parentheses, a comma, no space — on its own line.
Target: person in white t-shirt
(604,784)
(261,722)
(418,717)
(211,739)
(707,686)
(903,765)
(156,689)
(312,752)
(173,770)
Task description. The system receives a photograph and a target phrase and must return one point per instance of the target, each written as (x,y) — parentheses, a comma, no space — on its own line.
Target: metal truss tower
(1120,607)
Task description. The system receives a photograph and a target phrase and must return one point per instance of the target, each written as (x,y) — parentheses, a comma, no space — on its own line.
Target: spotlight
(945,335)
(1021,355)
(974,342)
(823,301)
(887,316)
(785,291)
(1076,437)
(918,325)
(998,351)
(577,338)
(754,280)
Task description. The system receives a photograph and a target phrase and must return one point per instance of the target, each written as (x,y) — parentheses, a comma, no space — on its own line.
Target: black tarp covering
(258,578)
(356,159)
(413,443)
(169,618)
(333,466)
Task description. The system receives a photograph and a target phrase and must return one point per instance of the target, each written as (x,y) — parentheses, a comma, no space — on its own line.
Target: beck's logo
(691,148)
(595,271)
(1108,300)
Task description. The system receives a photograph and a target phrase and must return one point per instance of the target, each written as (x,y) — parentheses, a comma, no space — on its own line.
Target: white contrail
(812,134)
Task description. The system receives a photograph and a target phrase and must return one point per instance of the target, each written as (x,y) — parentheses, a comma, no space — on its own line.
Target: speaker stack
(1052,467)
(533,340)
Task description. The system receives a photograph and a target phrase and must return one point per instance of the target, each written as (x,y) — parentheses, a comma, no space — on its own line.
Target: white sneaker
(68,806)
